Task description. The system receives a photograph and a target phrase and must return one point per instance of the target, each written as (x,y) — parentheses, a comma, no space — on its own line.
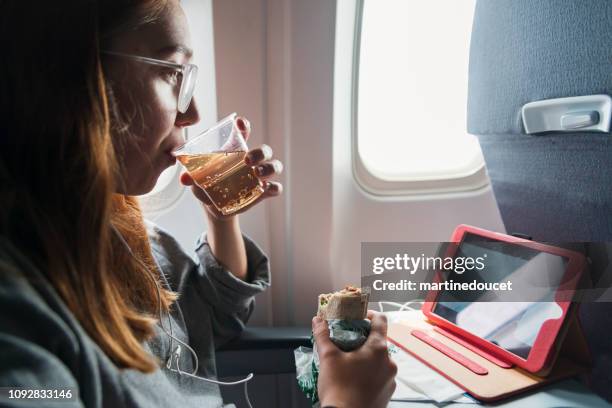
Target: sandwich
(349,303)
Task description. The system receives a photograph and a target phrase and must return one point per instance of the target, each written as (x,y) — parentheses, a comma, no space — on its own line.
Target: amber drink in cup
(215,161)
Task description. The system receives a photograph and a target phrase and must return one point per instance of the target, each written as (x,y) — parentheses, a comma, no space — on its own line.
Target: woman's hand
(223,234)
(264,166)
(361,378)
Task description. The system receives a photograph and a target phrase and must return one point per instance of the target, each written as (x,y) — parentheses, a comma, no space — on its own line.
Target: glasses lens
(187,87)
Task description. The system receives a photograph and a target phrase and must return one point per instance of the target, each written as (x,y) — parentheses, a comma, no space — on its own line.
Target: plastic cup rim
(223,122)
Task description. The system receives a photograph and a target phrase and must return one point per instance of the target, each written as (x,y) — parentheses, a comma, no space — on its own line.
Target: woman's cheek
(166,96)
(163,108)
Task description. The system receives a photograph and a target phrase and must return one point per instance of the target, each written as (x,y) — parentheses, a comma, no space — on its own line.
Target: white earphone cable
(177,353)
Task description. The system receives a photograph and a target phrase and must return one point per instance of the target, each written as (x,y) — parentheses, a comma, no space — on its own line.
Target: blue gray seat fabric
(554,187)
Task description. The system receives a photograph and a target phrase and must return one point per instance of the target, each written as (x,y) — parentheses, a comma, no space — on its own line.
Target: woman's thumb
(320,332)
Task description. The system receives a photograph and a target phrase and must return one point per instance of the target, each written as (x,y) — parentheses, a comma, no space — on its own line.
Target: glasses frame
(188,76)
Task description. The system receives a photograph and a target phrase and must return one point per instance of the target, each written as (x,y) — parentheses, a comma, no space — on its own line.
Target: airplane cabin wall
(275,63)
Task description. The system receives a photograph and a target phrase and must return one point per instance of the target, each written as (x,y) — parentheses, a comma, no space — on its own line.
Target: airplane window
(412,90)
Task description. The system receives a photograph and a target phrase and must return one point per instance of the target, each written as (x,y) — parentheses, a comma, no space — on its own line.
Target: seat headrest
(526,50)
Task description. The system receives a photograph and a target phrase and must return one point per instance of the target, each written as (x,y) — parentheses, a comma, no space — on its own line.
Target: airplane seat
(553,186)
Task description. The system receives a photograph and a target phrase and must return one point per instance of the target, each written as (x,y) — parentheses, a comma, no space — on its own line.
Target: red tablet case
(488,372)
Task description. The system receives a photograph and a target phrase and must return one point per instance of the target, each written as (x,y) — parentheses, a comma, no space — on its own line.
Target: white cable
(406,306)
(177,352)
(381,303)
(246,395)
(177,355)
(402,306)
(178,370)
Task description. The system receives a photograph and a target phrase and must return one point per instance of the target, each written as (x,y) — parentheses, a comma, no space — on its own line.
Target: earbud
(176,355)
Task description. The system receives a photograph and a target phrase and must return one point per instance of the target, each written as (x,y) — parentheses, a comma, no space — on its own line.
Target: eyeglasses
(189,72)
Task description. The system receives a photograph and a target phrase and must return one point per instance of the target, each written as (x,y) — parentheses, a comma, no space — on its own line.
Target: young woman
(93,98)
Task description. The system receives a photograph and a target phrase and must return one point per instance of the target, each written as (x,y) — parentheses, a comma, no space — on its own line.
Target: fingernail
(259,170)
(267,151)
(184,178)
(241,125)
(278,167)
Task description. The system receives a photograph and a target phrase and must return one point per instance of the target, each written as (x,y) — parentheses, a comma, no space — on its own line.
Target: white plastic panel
(590,113)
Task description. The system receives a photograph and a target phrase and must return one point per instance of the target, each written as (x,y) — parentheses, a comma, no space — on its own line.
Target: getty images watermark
(473,272)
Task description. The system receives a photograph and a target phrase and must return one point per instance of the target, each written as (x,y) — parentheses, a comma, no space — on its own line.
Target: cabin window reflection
(412,90)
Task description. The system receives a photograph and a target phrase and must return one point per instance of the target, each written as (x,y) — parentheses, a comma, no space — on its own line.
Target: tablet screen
(514,325)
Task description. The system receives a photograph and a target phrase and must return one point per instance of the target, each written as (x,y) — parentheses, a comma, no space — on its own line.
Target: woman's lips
(170,156)
(173,145)
(171,159)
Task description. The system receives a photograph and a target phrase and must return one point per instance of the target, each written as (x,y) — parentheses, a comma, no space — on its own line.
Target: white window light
(412,64)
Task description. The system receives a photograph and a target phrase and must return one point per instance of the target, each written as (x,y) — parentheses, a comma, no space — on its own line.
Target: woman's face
(149,125)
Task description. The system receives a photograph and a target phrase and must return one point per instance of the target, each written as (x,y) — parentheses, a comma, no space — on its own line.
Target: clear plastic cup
(215,161)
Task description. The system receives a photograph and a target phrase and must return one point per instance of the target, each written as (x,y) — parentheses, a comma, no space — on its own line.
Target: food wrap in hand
(345,312)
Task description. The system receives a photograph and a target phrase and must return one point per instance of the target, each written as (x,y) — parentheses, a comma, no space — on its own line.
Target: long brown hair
(58,170)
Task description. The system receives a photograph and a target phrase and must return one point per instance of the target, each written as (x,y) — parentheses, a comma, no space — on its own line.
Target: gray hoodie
(43,346)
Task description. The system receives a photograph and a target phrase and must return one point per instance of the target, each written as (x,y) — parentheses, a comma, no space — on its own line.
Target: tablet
(526,333)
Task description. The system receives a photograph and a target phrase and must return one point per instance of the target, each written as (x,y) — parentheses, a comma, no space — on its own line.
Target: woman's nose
(190,117)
